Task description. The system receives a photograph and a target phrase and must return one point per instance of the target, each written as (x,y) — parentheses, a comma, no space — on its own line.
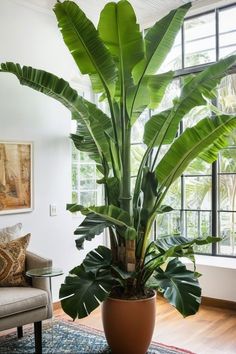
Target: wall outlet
(53,210)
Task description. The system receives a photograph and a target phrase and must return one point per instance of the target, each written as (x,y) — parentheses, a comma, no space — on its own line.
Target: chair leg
(38,337)
(19,332)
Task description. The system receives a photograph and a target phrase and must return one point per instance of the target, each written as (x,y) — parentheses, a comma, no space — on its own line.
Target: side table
(46,272)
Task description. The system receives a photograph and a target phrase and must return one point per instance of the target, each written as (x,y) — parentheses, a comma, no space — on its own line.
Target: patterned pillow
(12,262)
(10,233)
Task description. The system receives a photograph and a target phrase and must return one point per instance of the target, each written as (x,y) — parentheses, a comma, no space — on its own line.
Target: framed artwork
(15,177)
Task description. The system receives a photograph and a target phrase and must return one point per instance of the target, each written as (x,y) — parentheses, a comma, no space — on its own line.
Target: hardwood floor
(211,331)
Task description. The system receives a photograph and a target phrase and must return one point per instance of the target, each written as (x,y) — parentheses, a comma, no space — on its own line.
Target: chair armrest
(35,261)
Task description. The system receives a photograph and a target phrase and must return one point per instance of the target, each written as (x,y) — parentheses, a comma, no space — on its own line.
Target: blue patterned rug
(66,337)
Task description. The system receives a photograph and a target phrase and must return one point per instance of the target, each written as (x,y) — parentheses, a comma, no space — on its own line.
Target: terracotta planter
(129,324)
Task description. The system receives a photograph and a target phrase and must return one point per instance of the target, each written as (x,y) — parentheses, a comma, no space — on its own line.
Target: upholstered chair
(20,306)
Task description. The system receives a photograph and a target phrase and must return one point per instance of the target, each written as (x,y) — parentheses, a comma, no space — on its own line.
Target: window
(204,198)
(85,190)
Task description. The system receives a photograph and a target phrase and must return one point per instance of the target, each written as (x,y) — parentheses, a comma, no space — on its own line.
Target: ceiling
(147,11)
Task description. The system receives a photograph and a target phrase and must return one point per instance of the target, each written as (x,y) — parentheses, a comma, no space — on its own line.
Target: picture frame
(16,177)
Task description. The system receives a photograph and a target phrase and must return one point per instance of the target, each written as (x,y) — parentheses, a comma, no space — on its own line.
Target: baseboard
(206,301)
(223,304)
(56,305)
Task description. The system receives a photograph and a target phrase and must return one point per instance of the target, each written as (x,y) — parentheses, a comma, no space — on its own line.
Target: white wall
(33,39)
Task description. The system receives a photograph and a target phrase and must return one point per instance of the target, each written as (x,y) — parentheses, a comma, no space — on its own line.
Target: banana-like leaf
(207,132)
(110,214)
(84,144)
(120,33)
(91,226)
(179,286)
(160,250)
(89,52)
(159,40)
(93,126)
(88,116)
(164,126)
(87,285)
(172,246)
(150,93)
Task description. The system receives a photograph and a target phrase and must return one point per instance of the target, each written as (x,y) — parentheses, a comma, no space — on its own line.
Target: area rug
(66,337)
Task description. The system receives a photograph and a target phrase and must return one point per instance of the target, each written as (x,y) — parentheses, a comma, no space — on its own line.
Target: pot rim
(132,300)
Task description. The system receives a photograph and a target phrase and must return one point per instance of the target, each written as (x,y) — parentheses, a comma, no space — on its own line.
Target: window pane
(138,127)
(88,198)
(227,94)
(173,196)
(88,184)
(227,230)
(227,160)
(87,171)
(198,167)
(197,224)
(137,152)
(200,44)
(197,193)
(84,157)
(227,192)
(168,224)
(227,31)
(173,60)
(74,177)
(195,115)
(75,197)
(75,153)
(172,91)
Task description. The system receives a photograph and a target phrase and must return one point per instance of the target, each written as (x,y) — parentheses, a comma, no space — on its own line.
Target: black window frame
(180,73)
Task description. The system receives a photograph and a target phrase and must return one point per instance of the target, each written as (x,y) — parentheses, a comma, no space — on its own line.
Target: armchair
(23,305)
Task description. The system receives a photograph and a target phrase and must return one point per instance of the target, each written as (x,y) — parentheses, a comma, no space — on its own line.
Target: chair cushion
(15,300)
(10,233)
(12,262)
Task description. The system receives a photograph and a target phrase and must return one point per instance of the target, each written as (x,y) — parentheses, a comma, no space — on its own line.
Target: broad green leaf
(109,213)
(154,126)
(160,250)
(149,189)
(83,291)
(163,126)
(88,116)
(150,93)
(82,39)
(100,258)
(91,226)
(98,125)
(159,40)
(194,141)
(173,246)
(120,32)
(179,286)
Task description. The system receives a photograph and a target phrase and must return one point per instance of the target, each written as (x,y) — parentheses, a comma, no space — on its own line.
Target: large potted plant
(122,65)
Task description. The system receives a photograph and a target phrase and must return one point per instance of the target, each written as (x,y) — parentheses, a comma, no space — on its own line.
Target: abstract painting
(15,177)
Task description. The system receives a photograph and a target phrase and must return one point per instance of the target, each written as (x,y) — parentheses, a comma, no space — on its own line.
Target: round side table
(46,272)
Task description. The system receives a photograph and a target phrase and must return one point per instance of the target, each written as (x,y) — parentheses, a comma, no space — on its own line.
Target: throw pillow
(10,233)
(12,262)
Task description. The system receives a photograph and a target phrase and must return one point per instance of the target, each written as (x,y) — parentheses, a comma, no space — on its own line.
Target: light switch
(53,210)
